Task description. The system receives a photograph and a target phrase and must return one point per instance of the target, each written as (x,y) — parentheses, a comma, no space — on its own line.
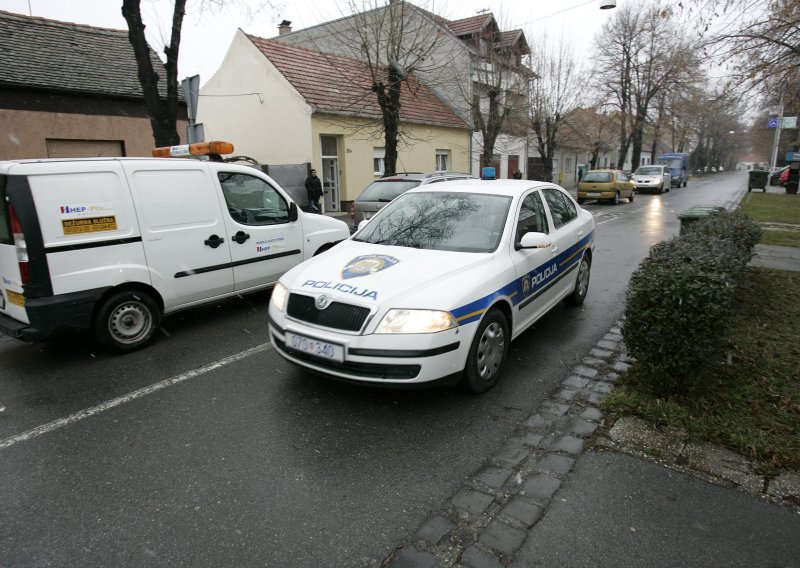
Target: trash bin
(696,213)
(758,180)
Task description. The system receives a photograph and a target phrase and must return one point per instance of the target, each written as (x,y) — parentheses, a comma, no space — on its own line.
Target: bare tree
(591,131)
(647,55)
(759,38)
(554,93)
(163,112)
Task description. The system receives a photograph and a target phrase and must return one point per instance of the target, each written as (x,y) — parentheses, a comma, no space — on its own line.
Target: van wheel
(127,321)
(487,353)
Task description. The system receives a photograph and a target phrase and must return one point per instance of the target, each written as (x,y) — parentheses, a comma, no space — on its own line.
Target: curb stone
(489,518)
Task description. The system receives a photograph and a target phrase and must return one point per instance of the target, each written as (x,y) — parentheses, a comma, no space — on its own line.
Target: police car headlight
(278,297)
(416,321)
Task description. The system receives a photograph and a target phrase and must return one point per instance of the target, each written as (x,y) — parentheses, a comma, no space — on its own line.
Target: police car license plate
(315,347)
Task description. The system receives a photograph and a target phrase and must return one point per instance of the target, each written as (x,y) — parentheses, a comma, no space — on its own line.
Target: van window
(252,201)
(5,223)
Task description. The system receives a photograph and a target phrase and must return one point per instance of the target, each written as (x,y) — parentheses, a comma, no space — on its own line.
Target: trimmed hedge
(680,299)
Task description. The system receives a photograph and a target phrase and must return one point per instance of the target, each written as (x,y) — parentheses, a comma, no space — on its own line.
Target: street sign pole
(777,138)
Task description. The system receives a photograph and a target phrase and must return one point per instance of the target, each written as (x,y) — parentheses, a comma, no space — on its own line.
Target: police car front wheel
(487,353)
(127,321)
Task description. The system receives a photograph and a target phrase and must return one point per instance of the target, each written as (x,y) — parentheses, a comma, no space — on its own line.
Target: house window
(442,160)
(378,163)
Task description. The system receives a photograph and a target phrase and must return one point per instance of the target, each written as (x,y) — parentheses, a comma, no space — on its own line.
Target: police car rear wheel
(578,295)
(487,354)
(127,321)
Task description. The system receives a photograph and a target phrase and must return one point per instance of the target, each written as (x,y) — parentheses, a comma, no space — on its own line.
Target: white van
(108,245)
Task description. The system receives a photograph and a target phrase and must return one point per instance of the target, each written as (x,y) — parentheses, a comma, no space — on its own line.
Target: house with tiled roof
(467,52)
(284,104)
(70,90)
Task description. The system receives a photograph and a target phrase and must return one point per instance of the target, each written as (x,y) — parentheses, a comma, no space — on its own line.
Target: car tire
(127,321)
(615,200)
(578,294)
(685,184)
(630,197)
(487,354)
(660,189)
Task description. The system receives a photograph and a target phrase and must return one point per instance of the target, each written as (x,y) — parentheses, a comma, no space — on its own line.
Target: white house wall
(504,146)
(249,103)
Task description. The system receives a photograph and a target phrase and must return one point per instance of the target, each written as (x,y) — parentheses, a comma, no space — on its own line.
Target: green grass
(750,401)
(771,207)
(774,208)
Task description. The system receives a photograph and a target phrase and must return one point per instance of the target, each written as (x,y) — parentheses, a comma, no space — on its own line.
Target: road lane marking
(109,404)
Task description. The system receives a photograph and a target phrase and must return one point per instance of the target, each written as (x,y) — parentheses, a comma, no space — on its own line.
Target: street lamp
(608,4)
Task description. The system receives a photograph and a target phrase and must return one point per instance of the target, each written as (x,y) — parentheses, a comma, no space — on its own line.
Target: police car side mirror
(293,212)
(533,240)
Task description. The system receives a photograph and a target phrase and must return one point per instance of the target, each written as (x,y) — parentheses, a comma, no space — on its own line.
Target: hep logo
(68,209)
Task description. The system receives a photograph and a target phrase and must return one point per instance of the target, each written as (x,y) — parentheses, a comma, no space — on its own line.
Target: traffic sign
(789,122)
(772,123)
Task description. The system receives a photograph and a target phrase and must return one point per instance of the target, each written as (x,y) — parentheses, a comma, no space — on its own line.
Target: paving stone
(410,557)
(542,486)
(513,454)
(591,413)
(553,463)
(522,510)
(601,353)
(566,394)
(626,358)
(435,529)
(592,361)
(537,421)
(471,501)
(605,344)
(582,428)
(553,407)
(724,463)
(611,376)
(615,329)
(585,371)
(594,398)
(621,367)
(568,444)
(474,557)
(603,387)
(612,336)
(502,537)
(575,382)
(494,477)
(533,440)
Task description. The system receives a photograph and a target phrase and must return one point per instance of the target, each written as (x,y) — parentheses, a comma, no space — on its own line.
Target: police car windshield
(648,171)
(459,222)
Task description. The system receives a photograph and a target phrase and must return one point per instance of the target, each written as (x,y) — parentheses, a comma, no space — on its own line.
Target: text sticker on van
(81,218)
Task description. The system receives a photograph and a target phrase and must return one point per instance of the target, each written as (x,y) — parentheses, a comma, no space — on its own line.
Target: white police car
(436,285)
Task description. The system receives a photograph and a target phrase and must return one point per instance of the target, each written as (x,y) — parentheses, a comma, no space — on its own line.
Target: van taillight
(19,242)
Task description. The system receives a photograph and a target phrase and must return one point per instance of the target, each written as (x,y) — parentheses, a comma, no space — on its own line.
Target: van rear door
(13,259)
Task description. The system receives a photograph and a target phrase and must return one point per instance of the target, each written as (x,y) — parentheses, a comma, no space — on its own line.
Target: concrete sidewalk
(781,258)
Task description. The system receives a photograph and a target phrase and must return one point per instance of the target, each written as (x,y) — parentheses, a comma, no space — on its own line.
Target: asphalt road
(207,449)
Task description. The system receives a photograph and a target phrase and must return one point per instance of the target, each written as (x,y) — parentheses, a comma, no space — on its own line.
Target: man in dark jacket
(314,189)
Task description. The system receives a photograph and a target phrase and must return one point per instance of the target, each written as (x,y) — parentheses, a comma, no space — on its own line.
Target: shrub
(680,299)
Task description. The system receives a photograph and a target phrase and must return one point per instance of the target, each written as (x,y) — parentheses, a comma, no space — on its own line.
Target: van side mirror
(293,212)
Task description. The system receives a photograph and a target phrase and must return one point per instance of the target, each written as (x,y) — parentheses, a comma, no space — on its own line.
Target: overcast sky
(207,34)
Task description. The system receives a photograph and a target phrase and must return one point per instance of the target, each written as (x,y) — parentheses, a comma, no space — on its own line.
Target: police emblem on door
(369,264)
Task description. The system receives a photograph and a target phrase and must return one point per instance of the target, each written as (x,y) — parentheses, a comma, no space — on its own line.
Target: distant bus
(678,164)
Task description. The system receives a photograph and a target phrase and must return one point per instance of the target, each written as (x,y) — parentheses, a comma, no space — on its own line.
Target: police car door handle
(214,241)
(240,237)
(554,249)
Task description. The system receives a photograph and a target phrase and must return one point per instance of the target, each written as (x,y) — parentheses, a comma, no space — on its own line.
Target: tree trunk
(163,113)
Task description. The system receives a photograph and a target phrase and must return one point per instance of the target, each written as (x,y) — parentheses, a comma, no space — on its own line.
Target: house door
(330,173)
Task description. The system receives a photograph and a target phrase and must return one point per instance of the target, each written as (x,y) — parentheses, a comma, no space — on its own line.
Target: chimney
(285,27)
